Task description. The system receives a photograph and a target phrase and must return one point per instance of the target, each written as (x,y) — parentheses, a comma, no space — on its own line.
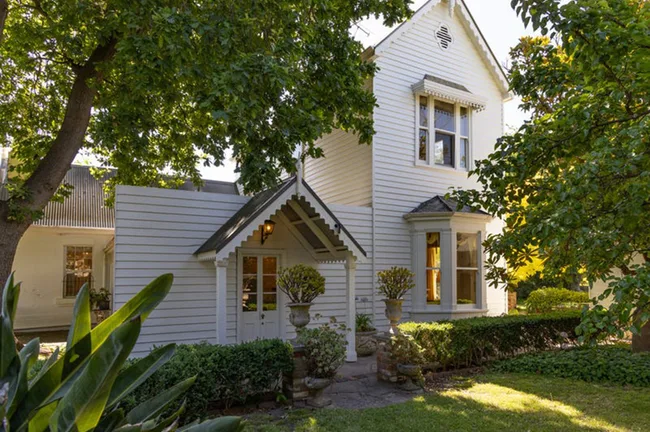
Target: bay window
(433,268)
(466,267)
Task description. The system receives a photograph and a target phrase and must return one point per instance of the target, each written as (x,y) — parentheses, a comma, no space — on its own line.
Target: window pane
(466,250)
(78,269)
(270,265)
(269,284)
(250,265)
(424,144)
(464,122)
(433,286)
(249,284)
(444,116)
(444,149)
(424,111)
(464,152)
(433,250)
(466,286)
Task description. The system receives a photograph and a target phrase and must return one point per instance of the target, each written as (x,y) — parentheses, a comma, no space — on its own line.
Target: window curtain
(433,261)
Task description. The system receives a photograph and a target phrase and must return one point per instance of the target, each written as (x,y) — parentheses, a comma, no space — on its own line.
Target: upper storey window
(444,123)
(450,145)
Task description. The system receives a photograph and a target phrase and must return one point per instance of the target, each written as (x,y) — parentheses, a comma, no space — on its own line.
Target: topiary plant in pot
(393,284)
(366,344)
(409,357)
(324,349)
(302,284)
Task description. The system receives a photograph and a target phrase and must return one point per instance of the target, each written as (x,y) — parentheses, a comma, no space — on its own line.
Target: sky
(498,23)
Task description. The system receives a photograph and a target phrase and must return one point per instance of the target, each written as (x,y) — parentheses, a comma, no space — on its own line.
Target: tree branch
(4,11)
(48,175)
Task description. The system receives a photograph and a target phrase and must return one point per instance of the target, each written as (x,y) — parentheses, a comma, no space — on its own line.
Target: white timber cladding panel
(344,174)
(399,185)
(157,232)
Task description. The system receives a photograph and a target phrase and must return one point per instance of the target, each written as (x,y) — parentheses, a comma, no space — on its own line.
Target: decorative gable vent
(444,37)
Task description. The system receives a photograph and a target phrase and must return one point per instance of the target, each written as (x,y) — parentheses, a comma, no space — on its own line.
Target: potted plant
(302,284)
(393,284)
(324,349)
(366,344)
(100,302)
(409,357)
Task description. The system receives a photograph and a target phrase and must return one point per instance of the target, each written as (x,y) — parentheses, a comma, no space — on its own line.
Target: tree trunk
(641,342)
(4,11)
(10,234)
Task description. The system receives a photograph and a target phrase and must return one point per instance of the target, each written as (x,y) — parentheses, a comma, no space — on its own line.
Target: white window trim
(476,269)
(431,128)
(65,267)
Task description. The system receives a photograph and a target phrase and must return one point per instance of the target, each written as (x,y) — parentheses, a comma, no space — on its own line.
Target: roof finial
(452,4)
(298,175)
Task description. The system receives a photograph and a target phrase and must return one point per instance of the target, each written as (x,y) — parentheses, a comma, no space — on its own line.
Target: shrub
(534,282)
(225,374)
(301,283)
(607,364)
(548,299)
(406,350)
(363,323)
(472,341)
(324,350)
(395,282)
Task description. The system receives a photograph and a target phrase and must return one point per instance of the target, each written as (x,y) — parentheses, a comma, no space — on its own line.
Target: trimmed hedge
(607,364)
(473,341)
(226,374)
(548,299)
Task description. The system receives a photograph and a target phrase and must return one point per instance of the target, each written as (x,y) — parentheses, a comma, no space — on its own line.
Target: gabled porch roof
(295,204)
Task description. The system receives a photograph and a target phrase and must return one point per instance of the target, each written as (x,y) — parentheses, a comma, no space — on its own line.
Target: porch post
(222,280)
(350,276)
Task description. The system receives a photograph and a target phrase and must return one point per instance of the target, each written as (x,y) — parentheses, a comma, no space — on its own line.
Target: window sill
(443,169)
(64,301)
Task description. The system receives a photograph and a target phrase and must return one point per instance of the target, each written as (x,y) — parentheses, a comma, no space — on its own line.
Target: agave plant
(81,389)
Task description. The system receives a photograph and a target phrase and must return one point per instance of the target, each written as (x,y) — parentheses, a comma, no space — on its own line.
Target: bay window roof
(441,206)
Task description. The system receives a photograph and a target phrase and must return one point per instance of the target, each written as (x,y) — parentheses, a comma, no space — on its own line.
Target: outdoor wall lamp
(267,229)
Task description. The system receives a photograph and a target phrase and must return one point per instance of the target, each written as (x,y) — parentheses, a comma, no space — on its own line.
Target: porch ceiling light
(267,229)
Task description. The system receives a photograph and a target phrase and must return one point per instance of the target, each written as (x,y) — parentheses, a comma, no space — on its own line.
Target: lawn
(491,402)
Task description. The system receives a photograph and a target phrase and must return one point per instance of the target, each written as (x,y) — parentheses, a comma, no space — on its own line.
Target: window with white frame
(433,268)
(78,268)
(443,135)
(466,267)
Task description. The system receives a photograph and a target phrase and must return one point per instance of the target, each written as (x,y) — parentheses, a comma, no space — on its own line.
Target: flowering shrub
(395,282)
(324,349)
(548,299)
(301,283)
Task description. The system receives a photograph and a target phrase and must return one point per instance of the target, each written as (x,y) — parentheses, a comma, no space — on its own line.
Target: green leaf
(8,351)
(27,356)
(154,406)
(221,424)
(81,408)
(135,374)
(110,421)
(79,331)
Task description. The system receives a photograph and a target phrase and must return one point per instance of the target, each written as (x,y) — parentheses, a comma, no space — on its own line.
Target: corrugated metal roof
(86,208)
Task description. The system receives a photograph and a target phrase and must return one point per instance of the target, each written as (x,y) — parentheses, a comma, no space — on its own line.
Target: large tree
(160,86)
(573,183)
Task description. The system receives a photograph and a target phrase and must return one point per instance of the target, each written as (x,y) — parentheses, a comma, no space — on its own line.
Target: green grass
(491,402)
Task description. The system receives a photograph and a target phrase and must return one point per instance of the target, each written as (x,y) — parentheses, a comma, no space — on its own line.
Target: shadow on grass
(494,402)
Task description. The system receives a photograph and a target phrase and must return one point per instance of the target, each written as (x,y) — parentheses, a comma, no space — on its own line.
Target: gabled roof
(442,205)
(298,206)
(470,25)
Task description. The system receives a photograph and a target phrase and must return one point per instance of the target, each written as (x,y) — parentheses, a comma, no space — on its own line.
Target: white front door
(259,297)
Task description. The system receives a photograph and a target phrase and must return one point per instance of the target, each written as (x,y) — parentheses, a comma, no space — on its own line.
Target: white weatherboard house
(359,210)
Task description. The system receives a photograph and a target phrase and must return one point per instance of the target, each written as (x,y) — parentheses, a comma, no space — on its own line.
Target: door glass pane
(444,116)
(250,265)
(466,250)
(249,302)
(269,283)
(464,122)
(466,286)
(444,149)
(270,265)
(423,144)
(424,111)
(270,302)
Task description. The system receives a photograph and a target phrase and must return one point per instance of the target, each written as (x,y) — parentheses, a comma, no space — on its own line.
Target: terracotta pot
(393,313)
(411,372)
(316,388)
(366,344)
(299,315)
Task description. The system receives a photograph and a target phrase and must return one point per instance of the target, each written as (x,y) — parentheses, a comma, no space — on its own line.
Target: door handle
(262,316)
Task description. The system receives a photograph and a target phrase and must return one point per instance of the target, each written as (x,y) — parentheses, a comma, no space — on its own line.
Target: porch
(277,228)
